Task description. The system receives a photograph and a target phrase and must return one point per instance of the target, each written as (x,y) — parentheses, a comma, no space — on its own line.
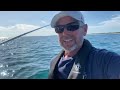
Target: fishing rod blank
(23,34)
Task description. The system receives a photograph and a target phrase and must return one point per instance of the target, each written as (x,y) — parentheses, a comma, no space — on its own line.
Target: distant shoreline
(107,33)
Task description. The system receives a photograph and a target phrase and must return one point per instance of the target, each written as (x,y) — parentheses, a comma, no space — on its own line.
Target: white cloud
(11,31)
(44,32)
(3,28)
(112,25)
(18,27)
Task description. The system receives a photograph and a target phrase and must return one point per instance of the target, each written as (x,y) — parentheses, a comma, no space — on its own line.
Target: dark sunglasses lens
(72,27)
(59,29)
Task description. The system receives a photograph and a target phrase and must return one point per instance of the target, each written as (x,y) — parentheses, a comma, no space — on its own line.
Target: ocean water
(29,57)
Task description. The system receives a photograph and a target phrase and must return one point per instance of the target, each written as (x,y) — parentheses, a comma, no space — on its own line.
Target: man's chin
(70,49)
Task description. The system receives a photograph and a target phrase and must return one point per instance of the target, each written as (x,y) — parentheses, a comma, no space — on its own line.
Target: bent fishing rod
(22,34)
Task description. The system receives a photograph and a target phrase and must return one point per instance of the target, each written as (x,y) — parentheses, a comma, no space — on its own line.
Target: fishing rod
(23,34)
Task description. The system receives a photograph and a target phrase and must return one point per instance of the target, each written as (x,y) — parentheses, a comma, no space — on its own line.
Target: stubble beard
(70,49)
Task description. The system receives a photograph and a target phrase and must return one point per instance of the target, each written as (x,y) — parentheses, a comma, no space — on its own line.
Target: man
(79,59)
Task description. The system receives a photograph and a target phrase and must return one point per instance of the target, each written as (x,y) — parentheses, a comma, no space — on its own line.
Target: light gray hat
(74,14)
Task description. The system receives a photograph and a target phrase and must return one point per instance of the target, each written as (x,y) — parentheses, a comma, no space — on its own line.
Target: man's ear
(85,27)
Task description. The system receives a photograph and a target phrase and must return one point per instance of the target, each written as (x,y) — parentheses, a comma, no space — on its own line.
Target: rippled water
(29,57)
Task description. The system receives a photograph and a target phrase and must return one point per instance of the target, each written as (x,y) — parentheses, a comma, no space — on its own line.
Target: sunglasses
(70,27)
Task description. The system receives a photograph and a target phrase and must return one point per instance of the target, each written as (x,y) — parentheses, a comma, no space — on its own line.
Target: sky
(13,23)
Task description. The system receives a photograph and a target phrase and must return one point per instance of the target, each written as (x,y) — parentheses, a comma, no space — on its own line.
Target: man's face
(71,40)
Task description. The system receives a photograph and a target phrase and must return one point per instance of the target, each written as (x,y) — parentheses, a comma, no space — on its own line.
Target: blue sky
(13,23)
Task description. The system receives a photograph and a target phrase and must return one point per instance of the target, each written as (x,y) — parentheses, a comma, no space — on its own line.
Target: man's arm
(113,67)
